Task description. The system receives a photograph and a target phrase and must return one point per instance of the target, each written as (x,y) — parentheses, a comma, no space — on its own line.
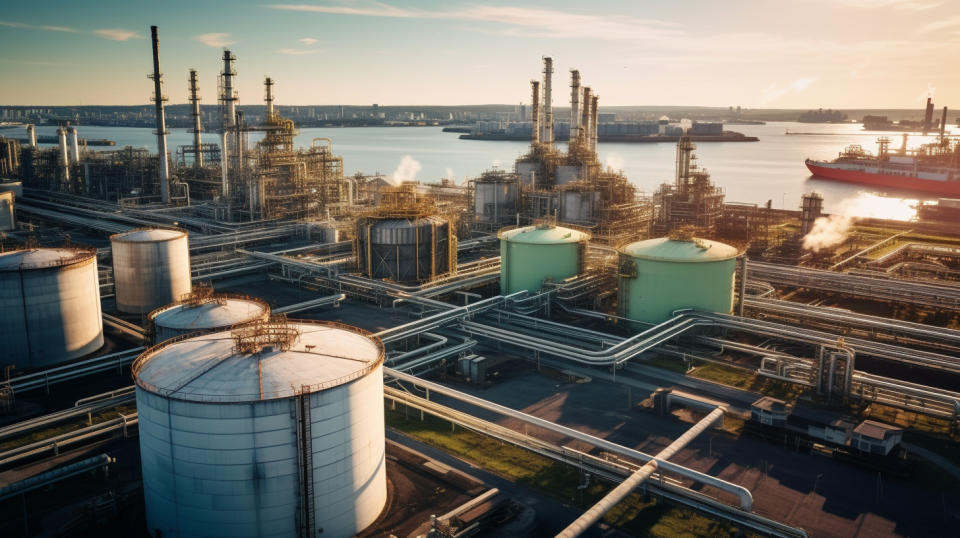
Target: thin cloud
(775,91)
(902,5)
(117,34)
(297,52)
(308,40)
(518,21)
(215,39)
(25,26)
(942,24)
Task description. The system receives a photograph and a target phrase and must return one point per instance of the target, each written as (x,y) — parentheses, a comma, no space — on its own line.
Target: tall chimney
(594,125)
(74,145)
(161,121)
(32,135)
(548,102)
(64,158)
(227,99)
(928,116)
(268,85)
(585,119)
(197,124)
(535,112)
(574,107)
(943,123)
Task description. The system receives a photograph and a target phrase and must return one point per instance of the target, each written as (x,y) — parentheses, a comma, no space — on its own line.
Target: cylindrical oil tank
(578,206)
(16,187)
(495,199)
(270,429)
(151,268)
(533,254)
(528,171)
(405,250)
(7,218)
(567,173)
(659,276)
(214,313)
(49,306)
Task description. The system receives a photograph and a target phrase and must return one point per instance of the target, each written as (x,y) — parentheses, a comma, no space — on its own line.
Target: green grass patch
(635,515)
(673,364)
(742,378)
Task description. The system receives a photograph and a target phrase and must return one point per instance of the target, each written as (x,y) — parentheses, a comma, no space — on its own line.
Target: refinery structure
(233,338)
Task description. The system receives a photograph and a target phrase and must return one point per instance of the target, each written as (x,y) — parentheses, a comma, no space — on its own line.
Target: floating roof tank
(272,429)
(659,276)
(49,306)
(533,254)
(151,268)
(204,313)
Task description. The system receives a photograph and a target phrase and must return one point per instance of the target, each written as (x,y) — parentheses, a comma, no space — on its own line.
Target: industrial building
(530,352)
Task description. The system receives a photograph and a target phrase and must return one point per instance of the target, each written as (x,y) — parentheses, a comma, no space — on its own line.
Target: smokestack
(928,116)
(594,131)
(574,107)
(195,112)
(161,121)
(548,102)
(32,135)
(64,159)
(535,112)
(268,85)
(74,146)
(227,99)
(585,119)
(943,123)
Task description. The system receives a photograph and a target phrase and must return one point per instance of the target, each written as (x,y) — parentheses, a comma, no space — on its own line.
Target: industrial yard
(238,339)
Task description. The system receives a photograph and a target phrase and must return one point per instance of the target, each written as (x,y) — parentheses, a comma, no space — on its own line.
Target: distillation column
(548,102)
(585,119)
(32,135)
(197,124)
(268,85)
(594,124)
(161,121)
(574,107)
(74,145)
(535,112)
(64,157)
(228,103)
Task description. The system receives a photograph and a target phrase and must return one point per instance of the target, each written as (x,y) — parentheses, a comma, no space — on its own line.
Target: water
(752,172)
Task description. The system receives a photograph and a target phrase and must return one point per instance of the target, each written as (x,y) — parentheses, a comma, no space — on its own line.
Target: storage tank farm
(49,306)
(662,275)
(274,428)
(151,268)
(532,254)
(404,239)
(203,311)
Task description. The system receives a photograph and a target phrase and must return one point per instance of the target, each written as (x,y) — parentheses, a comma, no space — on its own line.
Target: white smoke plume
(615,161)
(406,170)
(448,174)
(827,232)
(833,230)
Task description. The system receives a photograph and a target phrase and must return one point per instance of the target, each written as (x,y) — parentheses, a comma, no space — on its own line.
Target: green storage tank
(532,254)
(658,276)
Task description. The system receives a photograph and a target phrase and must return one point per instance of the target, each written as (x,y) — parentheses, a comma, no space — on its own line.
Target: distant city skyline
(754,54)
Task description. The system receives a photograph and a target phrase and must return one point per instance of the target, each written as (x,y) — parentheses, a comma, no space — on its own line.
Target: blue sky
(765,53)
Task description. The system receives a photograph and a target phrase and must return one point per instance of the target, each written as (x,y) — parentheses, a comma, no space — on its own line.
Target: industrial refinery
(235,337)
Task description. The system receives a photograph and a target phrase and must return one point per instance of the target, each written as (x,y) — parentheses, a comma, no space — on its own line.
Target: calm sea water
(753,172)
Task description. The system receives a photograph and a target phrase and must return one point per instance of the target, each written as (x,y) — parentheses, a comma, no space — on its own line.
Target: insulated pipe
(535,112)
(547,102)
(158,99)
(585,118)
(604,505)
(574,106)
(74,145)
(594,124)
(197,124)
(32,135)
(744,495)
(224,165)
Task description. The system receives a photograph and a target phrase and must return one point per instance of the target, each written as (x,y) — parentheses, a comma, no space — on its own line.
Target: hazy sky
(763,53)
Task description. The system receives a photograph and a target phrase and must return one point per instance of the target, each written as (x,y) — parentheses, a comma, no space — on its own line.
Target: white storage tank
(205,313)
(7,218)
(272,429)
(151,268)
(49,306)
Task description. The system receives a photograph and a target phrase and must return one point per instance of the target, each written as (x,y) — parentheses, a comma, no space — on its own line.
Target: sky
(751,53)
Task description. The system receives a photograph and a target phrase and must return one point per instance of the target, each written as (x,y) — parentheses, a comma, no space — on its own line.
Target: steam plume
(406,170)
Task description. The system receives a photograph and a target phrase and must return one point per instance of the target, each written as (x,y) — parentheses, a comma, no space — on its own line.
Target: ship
(932,168)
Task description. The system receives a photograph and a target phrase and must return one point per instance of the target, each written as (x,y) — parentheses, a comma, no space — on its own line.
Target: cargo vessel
(931,168)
